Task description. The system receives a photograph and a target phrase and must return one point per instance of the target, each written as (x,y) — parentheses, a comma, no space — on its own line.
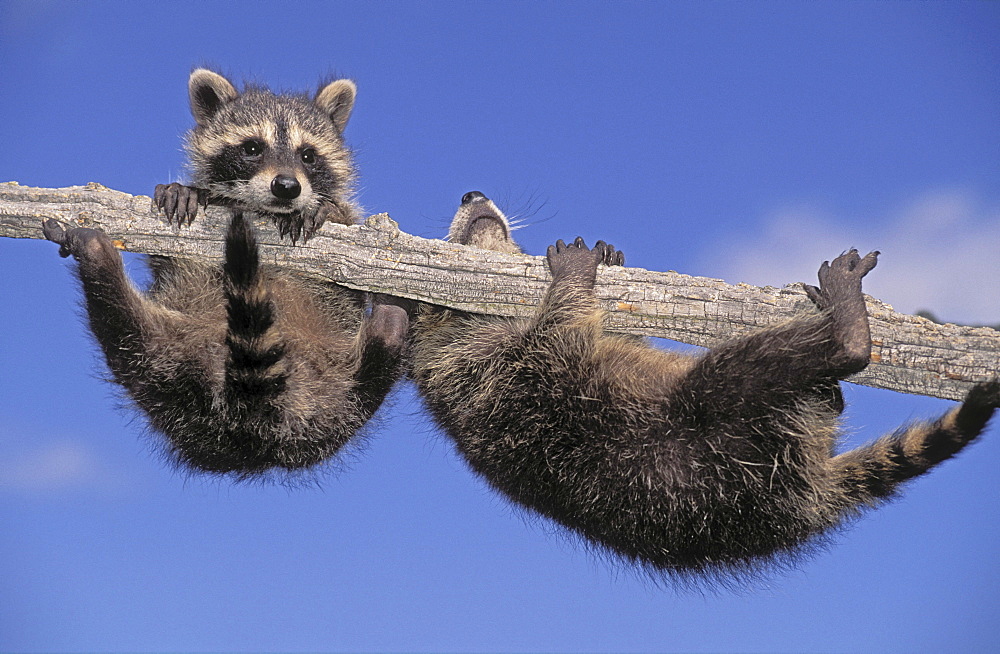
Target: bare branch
(911,354)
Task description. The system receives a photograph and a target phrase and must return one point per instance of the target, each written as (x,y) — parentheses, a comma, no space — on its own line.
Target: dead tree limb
(911,354)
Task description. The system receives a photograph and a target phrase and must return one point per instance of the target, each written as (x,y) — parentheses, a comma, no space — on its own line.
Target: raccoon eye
(252,148)
(308,156)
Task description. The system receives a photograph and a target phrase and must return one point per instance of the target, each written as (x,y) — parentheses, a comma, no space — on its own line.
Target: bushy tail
(872,472)
(254,347)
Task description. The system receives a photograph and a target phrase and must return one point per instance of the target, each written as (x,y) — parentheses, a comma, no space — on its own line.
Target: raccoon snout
(285,187)
(473,196)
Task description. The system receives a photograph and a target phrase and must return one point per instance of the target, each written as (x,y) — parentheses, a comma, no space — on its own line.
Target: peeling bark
(910,354)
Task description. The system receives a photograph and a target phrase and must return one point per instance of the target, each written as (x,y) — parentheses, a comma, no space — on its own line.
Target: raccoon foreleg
(116,311)
(872,472)
(574,274)
(180,202)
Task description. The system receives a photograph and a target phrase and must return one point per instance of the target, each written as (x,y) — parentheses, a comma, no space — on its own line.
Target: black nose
(285,187)
(473,196)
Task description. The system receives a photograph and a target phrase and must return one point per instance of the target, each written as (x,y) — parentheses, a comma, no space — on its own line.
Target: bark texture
(910,354)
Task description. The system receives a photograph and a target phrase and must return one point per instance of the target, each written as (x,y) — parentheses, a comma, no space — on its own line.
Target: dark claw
(608,255)
(311,226)
(191,209)
(179,203)
(55,232)
(813,293)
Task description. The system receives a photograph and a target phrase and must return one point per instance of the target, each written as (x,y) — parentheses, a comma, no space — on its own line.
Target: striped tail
(254,348)
(872,472)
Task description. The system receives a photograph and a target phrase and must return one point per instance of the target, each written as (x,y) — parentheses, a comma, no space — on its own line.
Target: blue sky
(743,141)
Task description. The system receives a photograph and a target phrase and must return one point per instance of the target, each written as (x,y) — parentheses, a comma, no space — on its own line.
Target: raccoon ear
(208,92)
(336,99)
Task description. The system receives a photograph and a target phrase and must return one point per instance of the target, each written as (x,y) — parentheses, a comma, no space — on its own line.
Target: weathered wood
(911,354)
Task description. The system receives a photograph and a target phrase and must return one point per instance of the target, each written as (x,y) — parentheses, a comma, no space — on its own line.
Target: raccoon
(246,369)
(281,156)
(719,466)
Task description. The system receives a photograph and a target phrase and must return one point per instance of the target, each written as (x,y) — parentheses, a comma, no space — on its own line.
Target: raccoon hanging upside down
(718,464)
(281,156)
(246,368)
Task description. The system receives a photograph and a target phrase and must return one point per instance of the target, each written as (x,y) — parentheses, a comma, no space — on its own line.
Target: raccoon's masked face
(269,172)
(277,155)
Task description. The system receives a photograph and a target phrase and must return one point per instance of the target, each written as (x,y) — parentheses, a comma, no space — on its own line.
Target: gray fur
(707,466)
(244,369)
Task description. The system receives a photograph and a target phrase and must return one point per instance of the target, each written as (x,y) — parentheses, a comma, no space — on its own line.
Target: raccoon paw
(609,256)
(389,321)
(290,225)
(840,295)
(81,242)
(575,261)
(841,280)
(179,201)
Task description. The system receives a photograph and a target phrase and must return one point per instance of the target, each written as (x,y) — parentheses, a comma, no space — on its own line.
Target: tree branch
(910,354)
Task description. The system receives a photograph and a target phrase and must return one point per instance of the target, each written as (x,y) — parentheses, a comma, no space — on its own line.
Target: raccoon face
(478,222)
(274,154)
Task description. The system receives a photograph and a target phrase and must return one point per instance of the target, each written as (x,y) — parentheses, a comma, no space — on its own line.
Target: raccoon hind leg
(118,314)
(381,343)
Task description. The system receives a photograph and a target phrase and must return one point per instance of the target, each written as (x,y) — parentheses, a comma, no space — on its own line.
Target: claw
(312,225)
(869,262)
(56,233)
(179,203)
(608,255)
(191,210)
(814,294)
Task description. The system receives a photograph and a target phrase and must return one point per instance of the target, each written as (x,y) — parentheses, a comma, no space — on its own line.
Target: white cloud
(57,466)
(940,253)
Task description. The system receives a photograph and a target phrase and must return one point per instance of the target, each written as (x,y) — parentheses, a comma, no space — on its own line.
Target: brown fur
(715,464)
(244,368)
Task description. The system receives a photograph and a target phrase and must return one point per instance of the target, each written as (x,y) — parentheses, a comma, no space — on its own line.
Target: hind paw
(839,294)
(81,242)
(840,281)
(609,256)
(575,261)
(179,202)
